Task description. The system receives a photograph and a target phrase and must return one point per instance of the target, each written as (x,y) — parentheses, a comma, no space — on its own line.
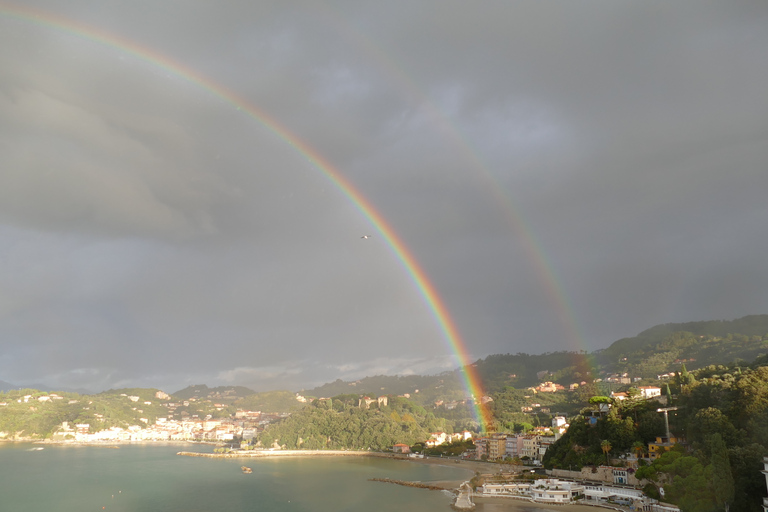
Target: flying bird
(366,236)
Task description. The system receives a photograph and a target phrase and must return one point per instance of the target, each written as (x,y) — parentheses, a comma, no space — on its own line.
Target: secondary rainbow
(427,290)
(536,255)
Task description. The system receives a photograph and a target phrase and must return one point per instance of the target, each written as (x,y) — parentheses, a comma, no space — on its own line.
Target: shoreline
(287,453)
(471,466)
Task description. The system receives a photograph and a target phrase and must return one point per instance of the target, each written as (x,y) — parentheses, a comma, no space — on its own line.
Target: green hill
(269,401)
(340,423)
(220,393)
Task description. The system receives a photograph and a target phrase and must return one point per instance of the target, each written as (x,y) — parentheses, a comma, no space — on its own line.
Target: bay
(152,477)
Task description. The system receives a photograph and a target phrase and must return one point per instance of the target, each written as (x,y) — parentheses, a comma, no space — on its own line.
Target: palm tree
(639,448)
(605,445)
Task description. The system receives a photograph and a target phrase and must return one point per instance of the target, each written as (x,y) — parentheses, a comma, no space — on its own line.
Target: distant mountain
(222,393)
(660,349)
(750,326)
(421,388)
(7,386)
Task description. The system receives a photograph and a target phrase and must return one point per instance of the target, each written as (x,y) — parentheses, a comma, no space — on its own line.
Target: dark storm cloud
(592,161)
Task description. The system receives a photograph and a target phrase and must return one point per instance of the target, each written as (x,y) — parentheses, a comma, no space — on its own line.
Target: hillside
(225,394)
(657,350)
(37,414)
(340,423)
(751,325)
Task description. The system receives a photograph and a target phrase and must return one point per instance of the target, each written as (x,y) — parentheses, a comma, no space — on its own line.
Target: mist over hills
(657,350)
(654,351)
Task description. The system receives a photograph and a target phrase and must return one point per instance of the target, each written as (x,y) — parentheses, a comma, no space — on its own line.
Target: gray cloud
(565,175)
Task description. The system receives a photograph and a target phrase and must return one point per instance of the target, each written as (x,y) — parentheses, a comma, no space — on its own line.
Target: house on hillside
(649,391)
(662,444)
(401,448)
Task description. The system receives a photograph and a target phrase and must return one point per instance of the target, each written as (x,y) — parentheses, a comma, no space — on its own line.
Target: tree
(639,448)
(605,445)
(722,478)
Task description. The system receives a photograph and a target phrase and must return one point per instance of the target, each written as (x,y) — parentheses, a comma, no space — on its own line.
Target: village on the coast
(507,465)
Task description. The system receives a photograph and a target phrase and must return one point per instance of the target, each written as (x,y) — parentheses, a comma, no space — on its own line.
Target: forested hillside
(722,414)
(340,423)
(660,349)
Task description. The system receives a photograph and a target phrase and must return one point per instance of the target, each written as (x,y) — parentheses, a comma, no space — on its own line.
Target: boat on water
(246,470)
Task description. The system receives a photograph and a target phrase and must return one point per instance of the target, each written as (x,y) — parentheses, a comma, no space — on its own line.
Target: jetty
(410,484)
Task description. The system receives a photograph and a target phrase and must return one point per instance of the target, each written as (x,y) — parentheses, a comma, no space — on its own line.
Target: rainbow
(535,253)
(435,304)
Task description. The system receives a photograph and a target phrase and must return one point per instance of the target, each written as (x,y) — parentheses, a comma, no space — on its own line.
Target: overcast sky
(565,173)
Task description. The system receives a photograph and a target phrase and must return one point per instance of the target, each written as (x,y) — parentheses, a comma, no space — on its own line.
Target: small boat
(246,470)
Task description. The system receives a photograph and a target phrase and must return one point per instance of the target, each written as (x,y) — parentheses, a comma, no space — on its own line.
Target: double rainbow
(427,290)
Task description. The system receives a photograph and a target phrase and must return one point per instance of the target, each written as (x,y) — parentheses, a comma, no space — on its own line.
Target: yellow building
(662,444)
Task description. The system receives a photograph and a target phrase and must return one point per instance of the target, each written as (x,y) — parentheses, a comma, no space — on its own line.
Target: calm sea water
(149,478)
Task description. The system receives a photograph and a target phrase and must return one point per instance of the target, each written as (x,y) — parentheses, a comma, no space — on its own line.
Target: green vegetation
(422,389)
(25,415)
(723,415)
(270,401)
(618,431)
(722,409)
(339,423)
(446,450)
(219,394)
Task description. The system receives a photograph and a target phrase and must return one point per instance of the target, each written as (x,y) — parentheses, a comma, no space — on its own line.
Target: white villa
(552,490)
(544,490)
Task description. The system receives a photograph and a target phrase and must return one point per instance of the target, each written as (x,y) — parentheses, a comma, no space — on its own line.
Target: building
(600,493)
(481,448)
(559,425)
(552,490)
(547,490)
(531,445)
(620,476)
(544,443)
(497,446)
(514,446)
(507,489)
(549,387)
(401,448)
(662,444)
(649,391)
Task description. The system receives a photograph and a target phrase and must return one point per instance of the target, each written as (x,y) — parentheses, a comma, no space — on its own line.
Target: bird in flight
(366,236)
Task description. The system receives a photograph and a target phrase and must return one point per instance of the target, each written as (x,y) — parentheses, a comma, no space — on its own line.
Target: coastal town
(511,462)
(528,462)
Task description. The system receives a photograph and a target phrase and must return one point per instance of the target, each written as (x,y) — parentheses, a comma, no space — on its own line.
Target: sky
(184,185)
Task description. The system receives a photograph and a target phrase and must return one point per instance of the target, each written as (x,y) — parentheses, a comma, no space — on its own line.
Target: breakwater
(410,484)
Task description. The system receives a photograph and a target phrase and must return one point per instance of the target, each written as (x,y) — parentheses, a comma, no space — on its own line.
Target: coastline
(286,453)
(487,503)
(511,502)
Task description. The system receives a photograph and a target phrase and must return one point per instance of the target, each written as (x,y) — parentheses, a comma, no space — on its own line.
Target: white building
(509,489)
(599,492)
(552,490)
(649,391)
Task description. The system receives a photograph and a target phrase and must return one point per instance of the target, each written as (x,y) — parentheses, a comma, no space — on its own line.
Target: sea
(152,477)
